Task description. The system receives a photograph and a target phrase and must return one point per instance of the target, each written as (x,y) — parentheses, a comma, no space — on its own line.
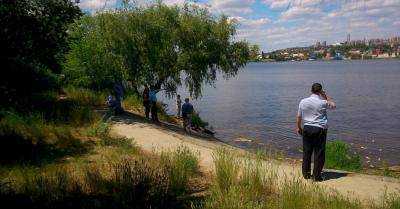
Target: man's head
(179,96)
(187,100)
(316,88)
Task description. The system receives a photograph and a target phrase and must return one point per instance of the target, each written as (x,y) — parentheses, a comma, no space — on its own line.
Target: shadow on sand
(333,174)
(131,118)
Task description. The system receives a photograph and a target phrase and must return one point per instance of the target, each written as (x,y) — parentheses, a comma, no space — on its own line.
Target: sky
(278,24)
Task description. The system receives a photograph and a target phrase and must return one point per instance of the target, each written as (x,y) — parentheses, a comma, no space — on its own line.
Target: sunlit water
(260,104)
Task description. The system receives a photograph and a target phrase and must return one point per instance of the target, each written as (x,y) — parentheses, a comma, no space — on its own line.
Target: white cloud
(95,5)
(252,23)
(286,4)
(300,12)
(231,7)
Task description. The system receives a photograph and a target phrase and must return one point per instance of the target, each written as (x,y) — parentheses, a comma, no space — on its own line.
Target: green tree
(160,46)
(33,43)
(254,52)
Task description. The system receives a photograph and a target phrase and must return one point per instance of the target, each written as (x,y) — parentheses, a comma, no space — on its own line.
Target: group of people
(150,107)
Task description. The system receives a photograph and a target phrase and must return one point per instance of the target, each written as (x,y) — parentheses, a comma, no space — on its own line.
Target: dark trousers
(146,105)
(154,115)
(314,140)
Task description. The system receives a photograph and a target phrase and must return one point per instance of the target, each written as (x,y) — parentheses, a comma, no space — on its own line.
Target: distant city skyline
(279,24)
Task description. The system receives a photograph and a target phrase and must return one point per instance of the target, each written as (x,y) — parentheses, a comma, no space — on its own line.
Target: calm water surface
(260,104)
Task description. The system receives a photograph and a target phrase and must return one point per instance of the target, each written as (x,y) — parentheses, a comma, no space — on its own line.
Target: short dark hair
(316,88)
(186,99)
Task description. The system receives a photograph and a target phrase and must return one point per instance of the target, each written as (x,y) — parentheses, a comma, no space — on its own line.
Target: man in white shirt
(312,124)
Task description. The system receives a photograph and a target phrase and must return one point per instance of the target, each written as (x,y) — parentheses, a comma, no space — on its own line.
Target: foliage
(197,122)
(31,138)
(33,42)
(339,156)
(254,52)
(153,46)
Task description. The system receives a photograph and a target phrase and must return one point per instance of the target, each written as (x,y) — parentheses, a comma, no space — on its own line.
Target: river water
(257,108)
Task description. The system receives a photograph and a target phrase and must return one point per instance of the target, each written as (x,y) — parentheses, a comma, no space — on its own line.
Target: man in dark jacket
(187,111)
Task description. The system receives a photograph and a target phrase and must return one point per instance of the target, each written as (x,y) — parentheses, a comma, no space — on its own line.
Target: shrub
(197,122)
(339,156)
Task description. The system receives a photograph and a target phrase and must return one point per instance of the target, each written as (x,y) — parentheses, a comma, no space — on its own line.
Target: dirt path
(154,138)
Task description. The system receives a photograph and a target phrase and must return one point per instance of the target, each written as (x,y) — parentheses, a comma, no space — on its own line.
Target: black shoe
(318,179)
(307,176)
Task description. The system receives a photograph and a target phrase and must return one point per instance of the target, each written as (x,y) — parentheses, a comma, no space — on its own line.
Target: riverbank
(156,139)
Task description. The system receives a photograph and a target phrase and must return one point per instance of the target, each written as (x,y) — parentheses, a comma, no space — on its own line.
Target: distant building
(348,38)
(324,44)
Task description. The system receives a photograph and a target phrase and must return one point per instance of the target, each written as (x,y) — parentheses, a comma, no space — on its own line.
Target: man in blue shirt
(312,124)
(187,111)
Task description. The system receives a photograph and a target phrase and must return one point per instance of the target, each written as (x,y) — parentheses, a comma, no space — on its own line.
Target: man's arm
(329,100)
(299,129)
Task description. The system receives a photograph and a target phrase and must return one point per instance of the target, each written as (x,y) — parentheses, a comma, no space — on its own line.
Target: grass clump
(181,165)
(86,97)
(339,156)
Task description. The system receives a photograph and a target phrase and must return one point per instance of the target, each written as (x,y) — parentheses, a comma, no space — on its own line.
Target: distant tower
(348,38)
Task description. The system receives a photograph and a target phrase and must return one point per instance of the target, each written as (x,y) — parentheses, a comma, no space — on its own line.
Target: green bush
(197,122)
(339,156)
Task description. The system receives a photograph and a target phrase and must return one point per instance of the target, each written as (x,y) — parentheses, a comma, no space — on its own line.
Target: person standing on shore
(187,111)
(312,124)
(153,102)
(178,105)
(146,101)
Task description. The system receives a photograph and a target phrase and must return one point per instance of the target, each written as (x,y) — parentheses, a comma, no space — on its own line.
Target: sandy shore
(156,138)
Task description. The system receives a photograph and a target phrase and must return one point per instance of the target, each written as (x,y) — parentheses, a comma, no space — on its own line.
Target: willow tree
(160,46)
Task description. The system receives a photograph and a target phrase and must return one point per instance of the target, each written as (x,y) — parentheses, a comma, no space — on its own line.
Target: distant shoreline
(325,60)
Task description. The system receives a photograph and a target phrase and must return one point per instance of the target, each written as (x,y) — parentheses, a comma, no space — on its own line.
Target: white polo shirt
(312,111)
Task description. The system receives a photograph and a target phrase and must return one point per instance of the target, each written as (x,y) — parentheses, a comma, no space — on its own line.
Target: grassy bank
(248,183)
(64,157)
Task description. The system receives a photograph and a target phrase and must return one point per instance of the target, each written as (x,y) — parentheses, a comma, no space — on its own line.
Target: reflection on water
(261,103)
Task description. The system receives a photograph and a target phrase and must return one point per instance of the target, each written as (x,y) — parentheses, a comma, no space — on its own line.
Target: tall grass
(242,183)
(339,156)
(32,138)
(139,182)
(181,165)
(86,97)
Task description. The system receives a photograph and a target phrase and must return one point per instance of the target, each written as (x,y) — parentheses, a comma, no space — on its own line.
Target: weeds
(181,165)
(125,183)
(256,185)
(339,156)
